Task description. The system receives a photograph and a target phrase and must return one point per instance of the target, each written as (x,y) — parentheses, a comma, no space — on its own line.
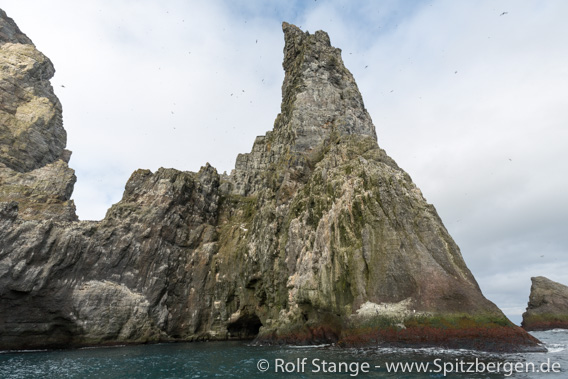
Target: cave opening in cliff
(245,327)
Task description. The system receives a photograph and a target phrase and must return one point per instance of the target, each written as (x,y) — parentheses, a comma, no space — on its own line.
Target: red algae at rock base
(489,337)
(493,339)
(541,325)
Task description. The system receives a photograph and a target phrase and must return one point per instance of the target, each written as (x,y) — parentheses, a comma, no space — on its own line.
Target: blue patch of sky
(289,11)
(364,18)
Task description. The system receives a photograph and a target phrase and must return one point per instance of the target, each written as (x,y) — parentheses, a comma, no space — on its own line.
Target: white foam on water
(100,347)
(557,331)
(555,348)
(424,351)
(308,346)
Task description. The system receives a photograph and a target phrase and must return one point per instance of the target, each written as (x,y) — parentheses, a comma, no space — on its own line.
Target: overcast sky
(469,97)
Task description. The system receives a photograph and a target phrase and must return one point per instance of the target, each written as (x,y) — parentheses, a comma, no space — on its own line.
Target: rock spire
(320,101)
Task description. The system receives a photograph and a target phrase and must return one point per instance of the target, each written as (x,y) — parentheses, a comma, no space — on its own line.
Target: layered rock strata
(317,236)
(547,307)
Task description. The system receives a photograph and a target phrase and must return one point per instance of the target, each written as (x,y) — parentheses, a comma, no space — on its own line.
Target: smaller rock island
(548,305)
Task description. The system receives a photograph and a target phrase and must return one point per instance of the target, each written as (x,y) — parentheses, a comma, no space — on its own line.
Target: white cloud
(471,103)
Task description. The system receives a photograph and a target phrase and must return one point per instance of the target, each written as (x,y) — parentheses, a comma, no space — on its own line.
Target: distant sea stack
(317,236)
(547,307)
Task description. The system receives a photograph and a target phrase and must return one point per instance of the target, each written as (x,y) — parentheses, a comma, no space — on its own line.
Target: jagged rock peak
(320,101)
(295,41)
(319,95)
(548,305)
(9,31)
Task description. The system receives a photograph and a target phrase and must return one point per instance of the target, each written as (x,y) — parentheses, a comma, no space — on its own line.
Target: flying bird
(504,13)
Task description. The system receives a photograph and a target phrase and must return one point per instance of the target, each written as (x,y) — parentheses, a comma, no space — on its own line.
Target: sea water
(242,360)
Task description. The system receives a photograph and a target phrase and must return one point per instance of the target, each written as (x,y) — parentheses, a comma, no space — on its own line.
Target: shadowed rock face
(316,236)
(547,307)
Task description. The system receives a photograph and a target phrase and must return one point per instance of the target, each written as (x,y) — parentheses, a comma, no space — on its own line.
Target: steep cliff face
(33,159)
(316,236)
(547,307)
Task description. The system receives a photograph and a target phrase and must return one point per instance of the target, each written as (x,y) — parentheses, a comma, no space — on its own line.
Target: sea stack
(547,307)
(317,236)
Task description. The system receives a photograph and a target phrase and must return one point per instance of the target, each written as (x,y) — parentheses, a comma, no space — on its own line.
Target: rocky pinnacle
(320,100)
(317,236)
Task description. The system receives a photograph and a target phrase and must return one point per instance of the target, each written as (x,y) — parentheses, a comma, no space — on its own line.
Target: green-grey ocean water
(240,360)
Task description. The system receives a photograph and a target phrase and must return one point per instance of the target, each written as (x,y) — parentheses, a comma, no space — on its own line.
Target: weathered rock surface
(316,236)
(31,126)
(33,159)
(547,307)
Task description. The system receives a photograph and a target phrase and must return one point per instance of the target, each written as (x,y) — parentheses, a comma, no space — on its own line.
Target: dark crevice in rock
(245,327)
